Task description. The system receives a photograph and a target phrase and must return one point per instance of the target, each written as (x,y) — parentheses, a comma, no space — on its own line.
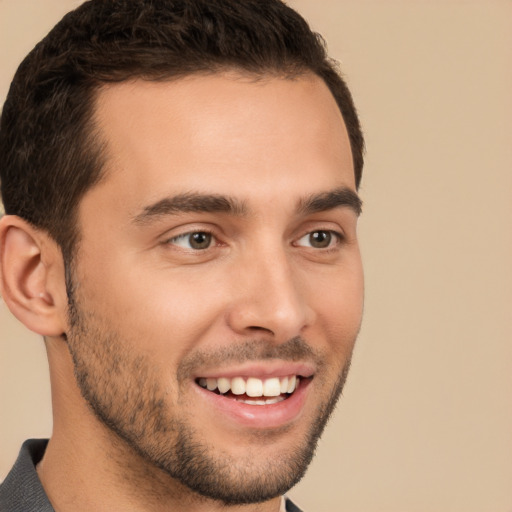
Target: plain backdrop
(425,423)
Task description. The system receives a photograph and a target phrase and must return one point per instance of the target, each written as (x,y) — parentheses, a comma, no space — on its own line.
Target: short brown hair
(49,156)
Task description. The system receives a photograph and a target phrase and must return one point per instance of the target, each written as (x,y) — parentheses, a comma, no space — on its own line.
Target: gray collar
(22,491)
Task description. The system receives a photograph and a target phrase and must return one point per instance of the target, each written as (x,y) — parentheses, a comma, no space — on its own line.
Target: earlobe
(29,282)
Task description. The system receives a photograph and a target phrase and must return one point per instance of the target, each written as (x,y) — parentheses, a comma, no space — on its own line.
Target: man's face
(219,252)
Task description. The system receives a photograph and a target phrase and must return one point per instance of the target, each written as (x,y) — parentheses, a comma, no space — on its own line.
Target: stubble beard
(124,393)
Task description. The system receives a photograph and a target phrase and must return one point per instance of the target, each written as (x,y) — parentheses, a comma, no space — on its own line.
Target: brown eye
(320,239)
(198,240)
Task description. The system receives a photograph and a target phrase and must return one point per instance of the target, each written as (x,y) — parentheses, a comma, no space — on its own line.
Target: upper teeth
(252,386)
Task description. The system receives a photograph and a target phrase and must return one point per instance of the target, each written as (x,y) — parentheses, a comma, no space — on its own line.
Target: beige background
(426,420)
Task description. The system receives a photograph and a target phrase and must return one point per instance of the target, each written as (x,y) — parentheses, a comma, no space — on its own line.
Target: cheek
(339,309)
(160,312)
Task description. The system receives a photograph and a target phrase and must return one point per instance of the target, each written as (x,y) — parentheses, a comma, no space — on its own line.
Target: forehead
(222,131)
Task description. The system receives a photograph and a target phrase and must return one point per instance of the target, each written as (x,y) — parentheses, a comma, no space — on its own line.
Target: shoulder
(22,491)
(290,506)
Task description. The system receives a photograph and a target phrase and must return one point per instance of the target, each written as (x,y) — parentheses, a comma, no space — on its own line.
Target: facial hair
(123,391)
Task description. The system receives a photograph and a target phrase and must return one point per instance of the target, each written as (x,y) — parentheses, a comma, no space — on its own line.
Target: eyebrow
(215,203)
(191,202)
(343,197)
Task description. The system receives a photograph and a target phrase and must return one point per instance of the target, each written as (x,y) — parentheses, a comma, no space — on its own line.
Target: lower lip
(259,416)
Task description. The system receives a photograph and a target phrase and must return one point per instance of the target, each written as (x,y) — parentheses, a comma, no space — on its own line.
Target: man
(179,180)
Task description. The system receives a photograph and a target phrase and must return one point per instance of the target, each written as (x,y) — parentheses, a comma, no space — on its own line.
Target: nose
(269,296)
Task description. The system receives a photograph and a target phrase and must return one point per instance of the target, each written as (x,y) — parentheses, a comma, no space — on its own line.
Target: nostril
(258,328)
(278,319)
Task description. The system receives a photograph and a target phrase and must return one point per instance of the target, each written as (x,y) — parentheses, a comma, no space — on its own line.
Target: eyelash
(336,240)
(184,236)
(337,237)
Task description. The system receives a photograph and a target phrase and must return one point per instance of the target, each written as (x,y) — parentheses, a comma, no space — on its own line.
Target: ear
(32,281)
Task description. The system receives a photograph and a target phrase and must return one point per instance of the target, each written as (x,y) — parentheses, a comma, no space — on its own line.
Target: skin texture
(150,313)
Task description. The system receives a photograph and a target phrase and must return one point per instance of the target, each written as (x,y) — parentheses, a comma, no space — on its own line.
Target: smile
(269,391)
(258,394)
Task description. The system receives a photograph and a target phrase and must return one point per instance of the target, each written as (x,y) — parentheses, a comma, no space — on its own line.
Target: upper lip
(262,369)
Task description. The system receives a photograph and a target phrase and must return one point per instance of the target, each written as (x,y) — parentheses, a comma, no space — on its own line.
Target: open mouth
(253,391)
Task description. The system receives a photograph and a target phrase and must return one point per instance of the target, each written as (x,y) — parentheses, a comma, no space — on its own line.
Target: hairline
(95,143)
